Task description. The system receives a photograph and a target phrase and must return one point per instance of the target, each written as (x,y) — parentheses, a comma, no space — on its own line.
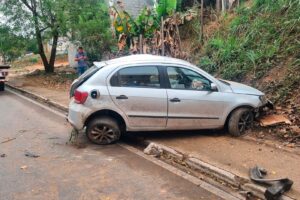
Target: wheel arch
(236,108)
(107,113)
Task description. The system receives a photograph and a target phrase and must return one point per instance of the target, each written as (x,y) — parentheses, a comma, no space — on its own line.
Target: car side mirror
(213,87)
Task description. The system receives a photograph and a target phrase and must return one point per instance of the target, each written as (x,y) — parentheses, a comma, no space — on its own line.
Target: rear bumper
(76,116)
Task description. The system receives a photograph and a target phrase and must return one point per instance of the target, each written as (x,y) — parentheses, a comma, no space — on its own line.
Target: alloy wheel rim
(245,122)
(102,134)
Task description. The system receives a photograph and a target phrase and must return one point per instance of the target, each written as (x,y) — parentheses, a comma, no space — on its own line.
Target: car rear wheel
(2,86)
(103,130)
(240,121)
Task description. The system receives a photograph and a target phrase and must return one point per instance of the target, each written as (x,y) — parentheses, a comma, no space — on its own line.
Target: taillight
(80,97)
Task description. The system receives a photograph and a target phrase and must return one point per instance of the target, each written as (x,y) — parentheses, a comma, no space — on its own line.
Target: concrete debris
(153,149)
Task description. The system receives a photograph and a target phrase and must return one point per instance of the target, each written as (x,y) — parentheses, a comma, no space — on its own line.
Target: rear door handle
(175,100)
(122,97)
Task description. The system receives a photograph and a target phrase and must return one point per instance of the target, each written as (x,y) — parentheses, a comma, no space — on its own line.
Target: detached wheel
(240,121)
(2,86)
(103,130)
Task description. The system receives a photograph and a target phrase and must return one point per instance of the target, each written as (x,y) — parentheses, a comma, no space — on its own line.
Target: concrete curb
(38,98)
(243,183)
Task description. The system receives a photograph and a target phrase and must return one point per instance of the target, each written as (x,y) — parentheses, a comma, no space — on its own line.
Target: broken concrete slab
(272,120)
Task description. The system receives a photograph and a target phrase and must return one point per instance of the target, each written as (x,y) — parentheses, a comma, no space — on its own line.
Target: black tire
(2,86)
(103,130)
(240,121)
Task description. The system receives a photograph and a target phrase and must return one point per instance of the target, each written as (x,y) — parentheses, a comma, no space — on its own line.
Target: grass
(255,40)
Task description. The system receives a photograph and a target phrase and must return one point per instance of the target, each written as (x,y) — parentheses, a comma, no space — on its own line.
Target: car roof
(141,58)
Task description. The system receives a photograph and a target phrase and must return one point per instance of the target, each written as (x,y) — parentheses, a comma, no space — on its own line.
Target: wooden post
(218,6)
(178,34)
(223,6)
(141,44)
(162,37)
(202,20)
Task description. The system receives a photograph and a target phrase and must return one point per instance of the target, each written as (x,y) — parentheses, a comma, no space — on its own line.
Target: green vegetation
(12,45)
(166,7)
(147,22)
(257,39)
(89,22)
(85,21)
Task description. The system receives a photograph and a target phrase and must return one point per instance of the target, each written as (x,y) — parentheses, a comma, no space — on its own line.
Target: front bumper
(268,105)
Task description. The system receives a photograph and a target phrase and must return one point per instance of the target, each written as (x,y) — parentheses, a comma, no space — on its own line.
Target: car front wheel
(240,121)
(103,130)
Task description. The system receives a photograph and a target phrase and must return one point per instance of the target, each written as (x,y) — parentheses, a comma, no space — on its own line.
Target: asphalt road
(65,172)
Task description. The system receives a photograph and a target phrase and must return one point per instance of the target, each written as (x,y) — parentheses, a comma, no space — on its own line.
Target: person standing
(81,58)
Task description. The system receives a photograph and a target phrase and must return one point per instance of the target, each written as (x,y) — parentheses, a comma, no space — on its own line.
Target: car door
(138,92)
(191,102)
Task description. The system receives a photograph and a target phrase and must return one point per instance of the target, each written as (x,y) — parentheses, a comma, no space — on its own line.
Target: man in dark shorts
(81,58)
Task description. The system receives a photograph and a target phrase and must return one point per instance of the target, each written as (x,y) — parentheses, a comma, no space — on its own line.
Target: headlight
(263,99)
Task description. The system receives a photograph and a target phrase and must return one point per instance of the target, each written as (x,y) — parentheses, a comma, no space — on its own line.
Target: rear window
(83,78)
(92,70)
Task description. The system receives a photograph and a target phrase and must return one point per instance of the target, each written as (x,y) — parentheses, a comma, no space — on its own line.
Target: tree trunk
(40,44)
(53,52)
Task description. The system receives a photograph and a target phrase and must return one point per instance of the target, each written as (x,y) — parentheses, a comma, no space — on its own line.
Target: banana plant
(166,7)
(147,23)
(123,23)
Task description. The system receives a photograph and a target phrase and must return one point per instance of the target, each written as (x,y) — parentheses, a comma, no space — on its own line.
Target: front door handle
(175,100)
(122,97)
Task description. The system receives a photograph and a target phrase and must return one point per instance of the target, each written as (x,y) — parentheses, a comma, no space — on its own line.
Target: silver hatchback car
(154,93)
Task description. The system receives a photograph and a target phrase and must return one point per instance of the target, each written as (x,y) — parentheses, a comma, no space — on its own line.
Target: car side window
(182,78)
(143,76)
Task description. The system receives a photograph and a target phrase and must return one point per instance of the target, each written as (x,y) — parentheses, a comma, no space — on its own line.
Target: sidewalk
(236,155)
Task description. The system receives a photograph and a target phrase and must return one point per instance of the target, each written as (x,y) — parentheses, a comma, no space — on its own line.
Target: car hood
(244,89)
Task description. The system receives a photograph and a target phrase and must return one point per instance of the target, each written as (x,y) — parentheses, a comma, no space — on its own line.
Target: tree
(11,45)
(89,23)
(44,19)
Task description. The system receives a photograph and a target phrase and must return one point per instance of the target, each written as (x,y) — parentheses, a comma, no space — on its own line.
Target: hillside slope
(259,44)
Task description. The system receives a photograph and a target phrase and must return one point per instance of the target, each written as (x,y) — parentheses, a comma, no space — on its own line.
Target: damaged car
(155,93)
